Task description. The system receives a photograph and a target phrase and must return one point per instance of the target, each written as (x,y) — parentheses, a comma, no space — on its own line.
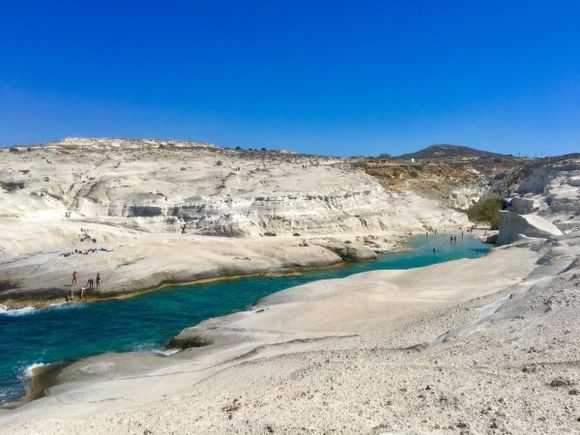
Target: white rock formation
(156,204)
(523,205)
(513,226)
(213,191)
(465,196)
(553,192)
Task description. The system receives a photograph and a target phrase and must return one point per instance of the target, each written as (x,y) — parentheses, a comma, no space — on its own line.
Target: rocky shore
(488,345)
(408,342)
(143,214)
(155,262)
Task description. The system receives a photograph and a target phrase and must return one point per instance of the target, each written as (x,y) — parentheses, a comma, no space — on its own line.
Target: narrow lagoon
(31,337)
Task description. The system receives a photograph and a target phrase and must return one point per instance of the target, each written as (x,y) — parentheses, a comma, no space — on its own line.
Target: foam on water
(10,394)
(66,305)
(29,309)
(166,352)
(28,371)
(147,346)
(5,311)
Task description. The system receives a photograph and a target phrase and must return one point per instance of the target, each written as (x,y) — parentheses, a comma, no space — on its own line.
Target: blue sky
(329,77)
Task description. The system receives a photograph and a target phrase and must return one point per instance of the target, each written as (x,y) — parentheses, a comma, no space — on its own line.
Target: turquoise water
(71,331)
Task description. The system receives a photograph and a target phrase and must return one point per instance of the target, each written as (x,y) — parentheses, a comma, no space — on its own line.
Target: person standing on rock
(91,284)
(75,277)
(98,280)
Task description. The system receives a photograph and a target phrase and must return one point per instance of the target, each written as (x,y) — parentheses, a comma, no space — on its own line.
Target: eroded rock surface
(172,211)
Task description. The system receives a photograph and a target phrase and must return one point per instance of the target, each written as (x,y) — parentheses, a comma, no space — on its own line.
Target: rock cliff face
(514,226)
(549,189)
(545,199)
(201,189)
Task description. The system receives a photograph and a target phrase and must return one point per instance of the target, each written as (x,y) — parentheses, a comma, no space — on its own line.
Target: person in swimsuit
(98,280)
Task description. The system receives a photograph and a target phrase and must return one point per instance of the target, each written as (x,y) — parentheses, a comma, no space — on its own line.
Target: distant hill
(452,152)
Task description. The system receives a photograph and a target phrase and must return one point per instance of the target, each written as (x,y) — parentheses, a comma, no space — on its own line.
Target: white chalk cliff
(213,191)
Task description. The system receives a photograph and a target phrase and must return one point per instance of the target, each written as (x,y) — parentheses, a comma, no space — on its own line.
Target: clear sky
(329,77)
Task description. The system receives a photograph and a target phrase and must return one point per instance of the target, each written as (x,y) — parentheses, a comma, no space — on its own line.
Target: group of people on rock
(92,284)
(452,238)
(470,230)
(85,251)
